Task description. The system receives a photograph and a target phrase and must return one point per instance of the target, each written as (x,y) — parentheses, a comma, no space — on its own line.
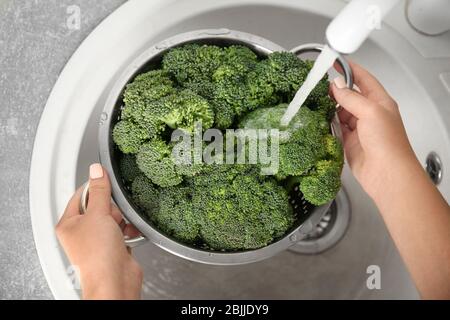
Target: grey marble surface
(35,44)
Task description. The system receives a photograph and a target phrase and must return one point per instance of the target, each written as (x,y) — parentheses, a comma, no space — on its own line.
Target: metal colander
(307,215)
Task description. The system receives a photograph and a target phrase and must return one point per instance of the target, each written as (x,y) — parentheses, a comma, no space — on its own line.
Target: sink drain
(434,167)
(329,230)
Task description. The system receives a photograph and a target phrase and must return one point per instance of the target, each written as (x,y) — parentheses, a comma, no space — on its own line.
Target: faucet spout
(351,27)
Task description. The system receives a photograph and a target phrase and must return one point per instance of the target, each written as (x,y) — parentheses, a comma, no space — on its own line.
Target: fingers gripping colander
(307,215)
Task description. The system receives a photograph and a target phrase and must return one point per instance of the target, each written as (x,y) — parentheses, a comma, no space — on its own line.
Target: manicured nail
(95,171)
(340,82)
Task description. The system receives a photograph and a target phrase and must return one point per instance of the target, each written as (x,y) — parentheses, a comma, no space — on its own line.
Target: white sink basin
(66,144)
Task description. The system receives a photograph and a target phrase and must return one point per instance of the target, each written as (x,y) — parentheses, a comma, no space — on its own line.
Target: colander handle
(348,76)
(132,242)
(317,47)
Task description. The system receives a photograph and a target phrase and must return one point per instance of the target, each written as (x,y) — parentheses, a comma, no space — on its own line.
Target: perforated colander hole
(330,229)
(325,224)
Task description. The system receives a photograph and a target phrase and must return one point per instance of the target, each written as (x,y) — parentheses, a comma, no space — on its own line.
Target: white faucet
(351,27)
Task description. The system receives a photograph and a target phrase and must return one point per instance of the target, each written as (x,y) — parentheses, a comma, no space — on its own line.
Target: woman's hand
(382,160)
(94,242)
(374,136)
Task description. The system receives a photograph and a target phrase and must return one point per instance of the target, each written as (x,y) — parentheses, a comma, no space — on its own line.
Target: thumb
(99,190)
(351,100)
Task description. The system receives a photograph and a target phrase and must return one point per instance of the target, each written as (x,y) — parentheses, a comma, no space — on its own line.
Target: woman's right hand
(382,160)
(374,136)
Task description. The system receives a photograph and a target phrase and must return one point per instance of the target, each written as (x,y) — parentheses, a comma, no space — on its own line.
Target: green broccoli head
(264,118)
(305,145)
(301,143)
(334,149)
(128,168)
(240,209)
(129,136)
(170,209)
(184,109)
(147,87)
(276,78)
(285,71)
(140,100)
(177,216)
(229,101)
(155,160)
(261,92)
(279,77)
(142,122)
(192,62)
(165,166)
(145,195)
(241,58)
(225,207)
(230,95)
(323,183)
(224,115)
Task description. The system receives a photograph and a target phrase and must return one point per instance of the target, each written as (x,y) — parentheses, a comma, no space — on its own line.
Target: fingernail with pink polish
(95,171)
(339,82)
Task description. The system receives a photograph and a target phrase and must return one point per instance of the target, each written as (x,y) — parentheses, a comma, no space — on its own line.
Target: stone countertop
(37,39)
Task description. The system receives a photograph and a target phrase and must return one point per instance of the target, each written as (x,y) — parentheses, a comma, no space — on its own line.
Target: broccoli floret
(230,96)
(155,160)
(128,168)
(183,109)
(305,147)
(241,58)
(276,78)
(192,67)
(323,183)
(264,118)
(334,149)
(217,74)
(285,71)
(169,208)
(143,122)
(279,77)
(129,136)
(192,62)
(261,93)
(177,215)
(140,98)
(147,87)
(186,165)
(145,194)
(228,102)
(240,209)
(301,143)
(225,207)
(324,105)
(224,115)
(152,103)
(140,103)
